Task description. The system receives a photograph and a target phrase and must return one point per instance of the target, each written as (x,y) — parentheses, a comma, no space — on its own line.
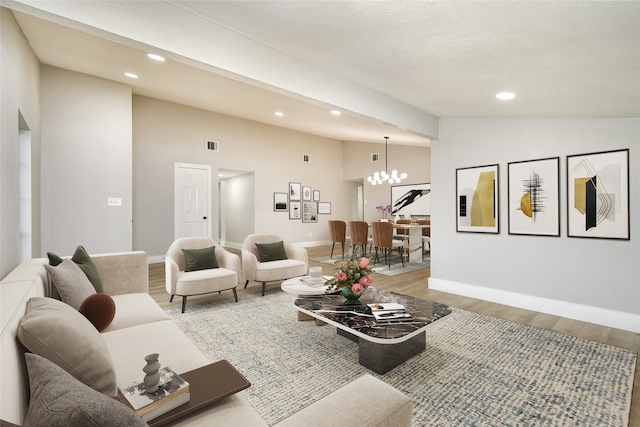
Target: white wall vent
(306,158)
(375,157)
(213,145)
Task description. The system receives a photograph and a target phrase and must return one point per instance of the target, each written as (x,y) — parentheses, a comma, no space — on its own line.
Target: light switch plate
(114,201)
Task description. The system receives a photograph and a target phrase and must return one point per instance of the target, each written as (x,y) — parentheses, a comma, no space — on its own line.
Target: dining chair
(403,235)
(383,239)
(338,232)
(359,234)
(426,236)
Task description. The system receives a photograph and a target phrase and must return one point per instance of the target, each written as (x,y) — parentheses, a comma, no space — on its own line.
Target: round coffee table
(299,288)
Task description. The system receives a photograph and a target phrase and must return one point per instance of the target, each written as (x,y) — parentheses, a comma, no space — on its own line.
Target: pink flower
(341,276)
(364,262)
(365,281)
(357,288)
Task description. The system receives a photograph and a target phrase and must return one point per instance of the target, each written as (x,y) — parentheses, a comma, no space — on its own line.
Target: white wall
(165,133)
(593,279)
(86,158)
(19,89)
(357,165)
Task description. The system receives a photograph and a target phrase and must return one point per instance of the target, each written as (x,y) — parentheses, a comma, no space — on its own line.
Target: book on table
(172,392)
(389,312)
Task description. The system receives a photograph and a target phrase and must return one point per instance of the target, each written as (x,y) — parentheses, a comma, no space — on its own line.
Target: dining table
(413,245)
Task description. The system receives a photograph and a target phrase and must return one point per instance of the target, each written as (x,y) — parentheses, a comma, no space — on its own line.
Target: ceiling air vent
(306,158)
(213,145)
(375,157)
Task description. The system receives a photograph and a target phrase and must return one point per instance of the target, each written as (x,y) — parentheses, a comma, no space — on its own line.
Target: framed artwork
(412,199)
(295,210)
(306,193)
(598,195)
(309,212)
(294,191)
(280,202)
(324,208)
(477,199)
(316,195)
(534,197)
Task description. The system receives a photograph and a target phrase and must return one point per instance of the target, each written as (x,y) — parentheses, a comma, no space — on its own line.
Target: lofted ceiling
(444,58)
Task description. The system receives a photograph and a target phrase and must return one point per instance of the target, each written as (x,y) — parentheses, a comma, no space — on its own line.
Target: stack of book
(172,392)
(390,312)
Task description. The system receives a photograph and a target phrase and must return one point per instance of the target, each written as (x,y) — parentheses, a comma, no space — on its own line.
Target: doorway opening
(236,206)
(360,196)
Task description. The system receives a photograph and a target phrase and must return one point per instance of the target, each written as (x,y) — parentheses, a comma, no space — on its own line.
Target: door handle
(204,217)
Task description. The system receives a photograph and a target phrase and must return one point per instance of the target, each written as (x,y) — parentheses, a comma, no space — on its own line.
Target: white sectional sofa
(141,327)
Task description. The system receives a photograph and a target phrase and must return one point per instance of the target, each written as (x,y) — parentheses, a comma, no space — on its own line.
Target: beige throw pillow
(72,284)
(57,332)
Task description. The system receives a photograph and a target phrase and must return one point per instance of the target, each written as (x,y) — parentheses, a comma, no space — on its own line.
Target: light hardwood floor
(415,283)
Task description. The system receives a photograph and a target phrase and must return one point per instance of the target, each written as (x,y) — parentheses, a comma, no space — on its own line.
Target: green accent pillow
(271,251)
(84,261)
(58,399)
(200,259)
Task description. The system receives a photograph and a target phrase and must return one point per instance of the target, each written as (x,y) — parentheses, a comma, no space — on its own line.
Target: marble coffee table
(382,346)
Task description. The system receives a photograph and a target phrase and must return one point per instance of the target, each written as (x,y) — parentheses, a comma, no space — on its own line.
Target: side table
(207,385)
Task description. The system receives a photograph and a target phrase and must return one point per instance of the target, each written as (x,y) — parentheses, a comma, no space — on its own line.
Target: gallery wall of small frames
(302,202)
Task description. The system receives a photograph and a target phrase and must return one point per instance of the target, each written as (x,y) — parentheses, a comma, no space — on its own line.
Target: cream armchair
(199,280)
(292,263)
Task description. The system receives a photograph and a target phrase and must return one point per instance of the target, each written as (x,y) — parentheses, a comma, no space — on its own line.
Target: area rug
(476,371)
(382,268)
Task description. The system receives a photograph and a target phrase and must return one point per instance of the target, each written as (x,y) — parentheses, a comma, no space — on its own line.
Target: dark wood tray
(207,385)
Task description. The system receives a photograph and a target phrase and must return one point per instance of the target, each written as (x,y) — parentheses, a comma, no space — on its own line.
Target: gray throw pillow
(58,399)
(72,284)
(84,261)
(55,331)
(271,251)
(200,259)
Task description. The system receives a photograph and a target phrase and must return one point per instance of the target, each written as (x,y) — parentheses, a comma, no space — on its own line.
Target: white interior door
(192,200)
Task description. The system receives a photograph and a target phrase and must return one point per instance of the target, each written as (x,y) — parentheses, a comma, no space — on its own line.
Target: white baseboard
(314,244)
(232,245)
(585,313)
(155,259)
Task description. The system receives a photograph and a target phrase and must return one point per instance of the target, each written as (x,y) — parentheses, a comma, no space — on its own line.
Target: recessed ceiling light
(336,112)
(133,76)
(155,57)
(220,174)
(505,95)
(279,113)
